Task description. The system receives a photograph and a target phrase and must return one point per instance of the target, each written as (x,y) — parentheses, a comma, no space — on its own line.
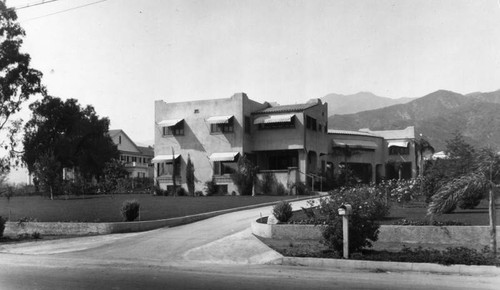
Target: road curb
(388,266)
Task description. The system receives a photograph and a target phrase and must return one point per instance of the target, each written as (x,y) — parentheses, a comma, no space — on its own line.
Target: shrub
(190,176)
(2,225)
(301,188)
(367,204)
(181,191)
(244,176)
(211,187)
(283,211)
(130,210)
(450,256)
(268,183)
(159,191)
(280,189)
(198,193)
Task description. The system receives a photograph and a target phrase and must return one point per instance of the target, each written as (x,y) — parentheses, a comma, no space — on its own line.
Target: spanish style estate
(291,141)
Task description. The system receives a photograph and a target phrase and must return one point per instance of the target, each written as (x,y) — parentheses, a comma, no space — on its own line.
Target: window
(320,128)
(281,125)
(134,159)
(311,123)
(120,139)
(283,160)
(196,111)
(248,125)
(168,169)
(225,167)
(222,128)
(176,130)
(396,150)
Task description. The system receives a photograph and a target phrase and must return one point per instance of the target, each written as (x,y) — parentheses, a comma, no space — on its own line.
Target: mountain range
(362,101)
(437,116)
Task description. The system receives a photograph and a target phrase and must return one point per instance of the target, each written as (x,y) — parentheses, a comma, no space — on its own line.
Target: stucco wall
(197,141)
(373,157)
(279,138)
(468,236)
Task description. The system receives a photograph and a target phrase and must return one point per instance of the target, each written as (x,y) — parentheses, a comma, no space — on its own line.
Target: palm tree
(484,177)
(422,146)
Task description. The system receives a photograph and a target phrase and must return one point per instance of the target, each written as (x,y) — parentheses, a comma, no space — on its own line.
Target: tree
(75,136)
(422,146)
(460,153)
(483,177)
(48,170)
(245,175)
(114,173)
(348,177)
(190,176)
(461,161)
(18,81)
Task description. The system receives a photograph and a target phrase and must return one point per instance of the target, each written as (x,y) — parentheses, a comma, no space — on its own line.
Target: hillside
(362,101)
(437,116)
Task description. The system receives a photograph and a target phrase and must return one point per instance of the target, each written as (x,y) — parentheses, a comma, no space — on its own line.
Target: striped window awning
(403,144)
(223,156)
(165,158)
(360,144)
(219,119)
(279,118)
(170,123)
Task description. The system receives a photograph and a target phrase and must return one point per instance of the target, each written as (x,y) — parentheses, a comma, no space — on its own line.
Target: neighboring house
(137,159)
(400,149)
(285,140)
(439,155)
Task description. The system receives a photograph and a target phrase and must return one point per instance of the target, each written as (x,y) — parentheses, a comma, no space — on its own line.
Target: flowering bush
(401,191)
(368,205)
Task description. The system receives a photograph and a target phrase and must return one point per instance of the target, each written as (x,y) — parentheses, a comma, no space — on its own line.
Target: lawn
(417,211)
(106,208)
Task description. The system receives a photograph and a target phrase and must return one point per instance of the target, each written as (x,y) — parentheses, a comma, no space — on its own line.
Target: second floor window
(222,128)
(396,150)
(177,130)
(248,125)
(311,123)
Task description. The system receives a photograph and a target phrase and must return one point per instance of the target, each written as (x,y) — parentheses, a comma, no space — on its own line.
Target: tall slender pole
(345,228)
(492,214)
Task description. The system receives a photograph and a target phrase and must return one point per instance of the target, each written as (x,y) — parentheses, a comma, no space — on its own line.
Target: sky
(122,55)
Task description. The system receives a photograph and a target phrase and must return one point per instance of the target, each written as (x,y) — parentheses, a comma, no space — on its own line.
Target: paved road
(219,253)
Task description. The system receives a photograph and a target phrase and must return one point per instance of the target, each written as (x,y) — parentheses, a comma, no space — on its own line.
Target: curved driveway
(166,245)
(174,258)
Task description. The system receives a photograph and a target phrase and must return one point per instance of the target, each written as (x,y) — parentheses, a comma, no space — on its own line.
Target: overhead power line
(33,5)
(65,10)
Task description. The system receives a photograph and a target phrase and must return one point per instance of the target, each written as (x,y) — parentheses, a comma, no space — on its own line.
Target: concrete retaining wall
(467,236)
(13,229)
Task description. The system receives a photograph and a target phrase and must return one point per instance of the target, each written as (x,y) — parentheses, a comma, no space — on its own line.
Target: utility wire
(65,10)
(33,5)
